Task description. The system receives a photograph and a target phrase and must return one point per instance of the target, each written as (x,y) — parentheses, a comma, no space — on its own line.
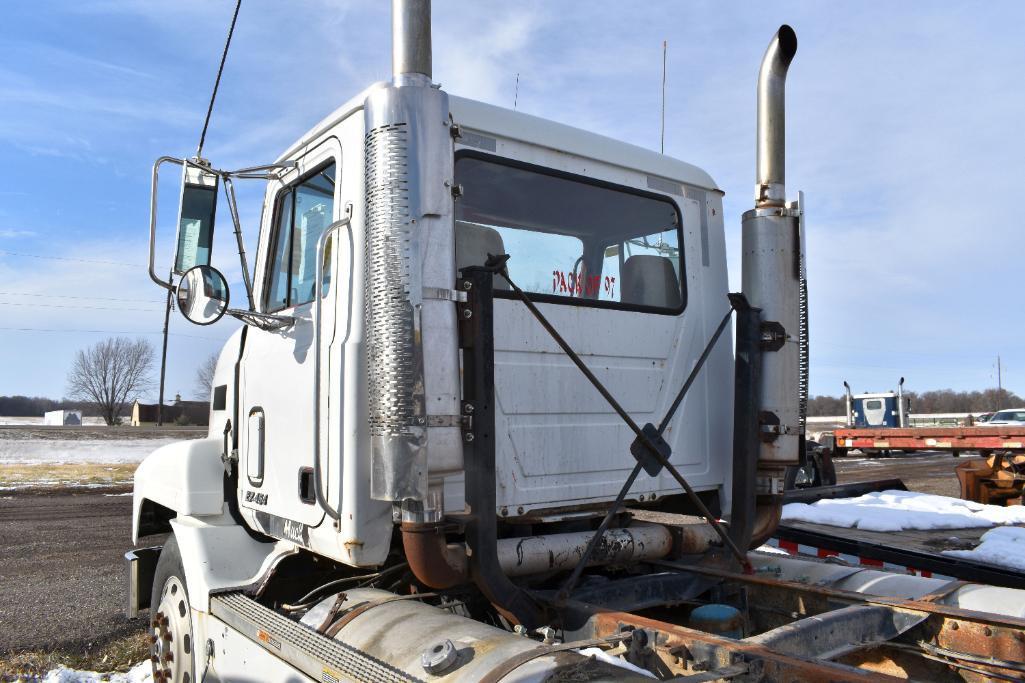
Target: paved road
(61,575)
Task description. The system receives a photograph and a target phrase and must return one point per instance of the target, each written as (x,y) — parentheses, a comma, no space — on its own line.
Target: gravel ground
(61,577)
(927,472)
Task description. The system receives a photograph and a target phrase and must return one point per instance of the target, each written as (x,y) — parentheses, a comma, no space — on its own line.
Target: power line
(90,298)
(79,307)
(68,258)
(40,329)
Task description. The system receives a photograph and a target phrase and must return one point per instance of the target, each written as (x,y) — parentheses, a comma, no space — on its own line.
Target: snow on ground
(140,673)
(1002,546)
(39,421)
(898,510)
(36,451)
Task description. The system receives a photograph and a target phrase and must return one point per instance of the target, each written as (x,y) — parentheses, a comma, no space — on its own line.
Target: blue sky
(905,130)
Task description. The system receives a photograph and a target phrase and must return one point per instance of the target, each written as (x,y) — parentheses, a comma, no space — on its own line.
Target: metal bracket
(444,294)
(773,335)
(639,450)
(769,426)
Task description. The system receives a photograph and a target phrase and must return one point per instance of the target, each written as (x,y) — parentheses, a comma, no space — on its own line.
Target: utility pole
(163,356)
(665,48)
(516,94)
(1000,379)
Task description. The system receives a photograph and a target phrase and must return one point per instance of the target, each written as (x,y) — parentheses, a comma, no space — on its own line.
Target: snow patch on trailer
(1004,546)
(900,510)
(140,673)
(33,451)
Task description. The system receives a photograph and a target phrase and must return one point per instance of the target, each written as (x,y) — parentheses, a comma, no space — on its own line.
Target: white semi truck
(484,421)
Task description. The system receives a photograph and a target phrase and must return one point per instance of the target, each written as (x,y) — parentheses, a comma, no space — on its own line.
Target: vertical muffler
(772,276)
(409,268)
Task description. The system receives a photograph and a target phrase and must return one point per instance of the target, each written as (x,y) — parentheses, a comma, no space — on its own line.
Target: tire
(818,472)
(172,651)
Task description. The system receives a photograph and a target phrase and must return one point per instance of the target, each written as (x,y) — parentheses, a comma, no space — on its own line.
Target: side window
(303,212)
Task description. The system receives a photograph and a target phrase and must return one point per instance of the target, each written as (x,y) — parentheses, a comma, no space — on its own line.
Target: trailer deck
(953,439)
(912,551)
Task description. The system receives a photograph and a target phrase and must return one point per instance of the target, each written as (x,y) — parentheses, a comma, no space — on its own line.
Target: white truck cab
(484,412)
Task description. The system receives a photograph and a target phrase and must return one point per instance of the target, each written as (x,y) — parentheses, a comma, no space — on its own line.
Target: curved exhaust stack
(771,160)
(848,404)
(772,272)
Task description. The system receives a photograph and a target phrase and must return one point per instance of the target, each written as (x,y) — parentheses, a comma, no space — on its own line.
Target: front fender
(186,477)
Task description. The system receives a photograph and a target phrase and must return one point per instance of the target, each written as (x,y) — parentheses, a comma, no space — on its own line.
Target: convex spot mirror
(196,212)
(202,295)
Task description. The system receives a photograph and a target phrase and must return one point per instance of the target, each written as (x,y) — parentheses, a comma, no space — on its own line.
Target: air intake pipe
(772,283)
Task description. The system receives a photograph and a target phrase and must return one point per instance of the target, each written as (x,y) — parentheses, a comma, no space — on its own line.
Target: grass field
(119,655)
(39,477)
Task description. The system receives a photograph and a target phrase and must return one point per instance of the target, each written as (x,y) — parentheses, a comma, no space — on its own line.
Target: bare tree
(205,377)
(109,372)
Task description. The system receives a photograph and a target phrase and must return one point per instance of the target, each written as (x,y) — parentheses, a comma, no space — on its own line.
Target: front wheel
(171,649)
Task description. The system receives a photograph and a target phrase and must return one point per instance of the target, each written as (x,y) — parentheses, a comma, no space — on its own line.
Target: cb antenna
(217,82)
(665,49)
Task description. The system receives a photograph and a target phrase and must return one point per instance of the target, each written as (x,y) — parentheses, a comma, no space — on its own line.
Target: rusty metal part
(840,632)
(692,535)
(975,633)
(518,660)
(767,517)
(431,559)
(672,642)
(561,552)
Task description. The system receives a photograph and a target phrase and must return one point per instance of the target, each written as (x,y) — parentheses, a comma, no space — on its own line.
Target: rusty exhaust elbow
(767,517)
(431,559)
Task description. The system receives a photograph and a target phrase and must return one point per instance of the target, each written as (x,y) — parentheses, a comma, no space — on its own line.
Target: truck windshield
(571,239)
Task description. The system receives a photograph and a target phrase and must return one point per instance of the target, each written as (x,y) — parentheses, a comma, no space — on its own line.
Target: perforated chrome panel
(395,373)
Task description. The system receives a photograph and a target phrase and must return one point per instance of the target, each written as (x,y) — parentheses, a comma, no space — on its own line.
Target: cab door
(277,387)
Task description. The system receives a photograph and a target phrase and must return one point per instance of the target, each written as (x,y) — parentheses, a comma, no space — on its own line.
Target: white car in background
(1012,416)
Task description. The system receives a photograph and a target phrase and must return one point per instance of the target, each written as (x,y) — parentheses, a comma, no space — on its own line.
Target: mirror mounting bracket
(264,321)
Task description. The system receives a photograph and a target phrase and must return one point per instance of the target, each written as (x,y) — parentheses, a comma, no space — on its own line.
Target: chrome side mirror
(202,295)
(196,212)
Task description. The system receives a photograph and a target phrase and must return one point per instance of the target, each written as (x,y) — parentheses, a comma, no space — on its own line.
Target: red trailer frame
(954,439)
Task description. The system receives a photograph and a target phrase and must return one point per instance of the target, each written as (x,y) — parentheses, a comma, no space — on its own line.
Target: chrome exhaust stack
(411,38)
(772,275)
(848,404)
(770,174)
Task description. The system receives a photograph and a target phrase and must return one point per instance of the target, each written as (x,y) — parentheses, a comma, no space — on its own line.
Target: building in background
(194,413)
(63,418)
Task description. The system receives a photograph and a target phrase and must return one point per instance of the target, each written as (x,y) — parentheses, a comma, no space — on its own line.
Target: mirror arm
(264,172)
(153,218)
(264,321)
(229,192)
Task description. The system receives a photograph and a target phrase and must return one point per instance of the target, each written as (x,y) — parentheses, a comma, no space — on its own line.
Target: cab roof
(506,123)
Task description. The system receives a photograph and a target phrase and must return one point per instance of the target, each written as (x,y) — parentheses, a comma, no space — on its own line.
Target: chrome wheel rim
(171,640)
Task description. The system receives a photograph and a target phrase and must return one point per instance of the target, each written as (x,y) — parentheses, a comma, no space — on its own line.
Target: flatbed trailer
(916,552)
(984,440)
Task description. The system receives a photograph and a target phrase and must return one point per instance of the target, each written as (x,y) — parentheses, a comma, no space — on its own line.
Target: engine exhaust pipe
(771,160)
(411,38)
(771,245)
(848,404)
(902,413)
